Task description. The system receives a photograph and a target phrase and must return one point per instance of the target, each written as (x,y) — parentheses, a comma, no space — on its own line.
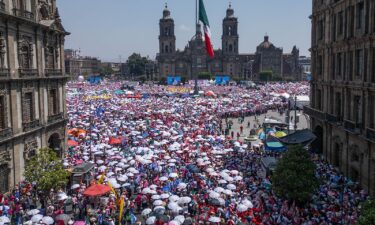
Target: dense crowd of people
(167,157)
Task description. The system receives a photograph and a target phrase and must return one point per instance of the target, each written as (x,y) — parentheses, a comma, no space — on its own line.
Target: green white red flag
(206,27)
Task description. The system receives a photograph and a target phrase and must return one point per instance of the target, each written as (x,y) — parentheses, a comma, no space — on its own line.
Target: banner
(122,203)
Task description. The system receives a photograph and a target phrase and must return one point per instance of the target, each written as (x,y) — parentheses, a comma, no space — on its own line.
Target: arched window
(230,48)
(162,47)
(166,49)
(230,31)
(4,178)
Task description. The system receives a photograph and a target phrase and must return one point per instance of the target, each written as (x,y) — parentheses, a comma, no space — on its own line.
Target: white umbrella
(180,218)
(174,222)
(146,190)
(159,209)
(158,203)
(173,206)
(48,220)
(4,219)
(75,186)
(228,192)
(248,203)
(223,182)
(242,208)
(155,197)
(174,198)
(173,175)
(231,187)
(219,189)
(214,219)
(214,195)
(63,217)
(164,196)
(36,218)
(151,220)
(145,212)
(33,212)
(163,178)
(122,178)
(181,186)
(184,200)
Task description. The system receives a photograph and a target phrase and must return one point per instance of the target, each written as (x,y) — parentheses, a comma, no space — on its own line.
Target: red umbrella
(210,94)
(97,190)
(72,143)
(114,141)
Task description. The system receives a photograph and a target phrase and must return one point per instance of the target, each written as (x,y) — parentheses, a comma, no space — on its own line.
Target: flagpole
(196,92)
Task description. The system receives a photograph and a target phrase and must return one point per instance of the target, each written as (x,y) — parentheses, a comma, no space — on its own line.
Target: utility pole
(288,116)
(196,91)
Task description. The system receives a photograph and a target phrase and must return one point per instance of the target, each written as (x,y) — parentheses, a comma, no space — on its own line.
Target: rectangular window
(373,65)
(360,15)
(357,109)
(2,113)
(334,27)
(338,105)
(339,64)
(371,110)
(340,30)
(319,99)
(28,107)
(320,66)
(320,29)
(350,69)
(359,63)
(52,102)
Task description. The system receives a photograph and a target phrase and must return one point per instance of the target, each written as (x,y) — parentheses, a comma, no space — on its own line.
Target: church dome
(266,43)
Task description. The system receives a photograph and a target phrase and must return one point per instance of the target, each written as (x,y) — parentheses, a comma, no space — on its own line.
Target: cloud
(184,28)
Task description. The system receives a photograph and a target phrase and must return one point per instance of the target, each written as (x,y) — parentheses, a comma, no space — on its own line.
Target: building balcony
(353,127)
(54,118)
(28,126)
(332,118)
(28,72)
(6,133)
(370,134)
(314,113)
(53,72)
(4,73)
(23,13)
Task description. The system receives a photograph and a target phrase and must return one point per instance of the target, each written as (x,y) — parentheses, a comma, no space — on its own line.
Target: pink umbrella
(79,223)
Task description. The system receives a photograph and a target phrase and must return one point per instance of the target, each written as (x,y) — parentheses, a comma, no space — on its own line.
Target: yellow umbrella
(280,134)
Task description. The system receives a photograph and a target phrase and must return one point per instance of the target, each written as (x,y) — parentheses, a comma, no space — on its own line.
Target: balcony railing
(4,73)
(23,13)
(332,118)
(28,72)
(54,118)
(5,133)
(314,113)
(353,127)
(370,134)
(2,6)
(27,126)
(52,72)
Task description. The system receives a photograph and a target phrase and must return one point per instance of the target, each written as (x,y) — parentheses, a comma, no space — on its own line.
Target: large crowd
(166,155)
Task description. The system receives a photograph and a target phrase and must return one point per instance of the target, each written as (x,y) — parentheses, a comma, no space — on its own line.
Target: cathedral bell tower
(167,38)
(230,33)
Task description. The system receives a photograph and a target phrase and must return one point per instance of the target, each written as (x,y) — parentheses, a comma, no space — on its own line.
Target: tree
(136,64)
(367,216)
(47,170)
(265,75)
(294,177)
(204,76)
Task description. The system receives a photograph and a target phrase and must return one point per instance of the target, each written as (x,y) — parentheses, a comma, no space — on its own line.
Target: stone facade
(227,61)
(32,84)
(343,86)
(76,65)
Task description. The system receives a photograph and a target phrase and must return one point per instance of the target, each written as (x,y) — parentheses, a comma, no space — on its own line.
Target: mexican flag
(206,27)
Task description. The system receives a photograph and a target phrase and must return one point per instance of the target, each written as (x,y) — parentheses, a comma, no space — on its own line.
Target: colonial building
(227,61)
(343,86)
(76,65)
(32,84)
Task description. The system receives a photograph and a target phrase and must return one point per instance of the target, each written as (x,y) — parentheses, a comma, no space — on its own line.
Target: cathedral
(227,61)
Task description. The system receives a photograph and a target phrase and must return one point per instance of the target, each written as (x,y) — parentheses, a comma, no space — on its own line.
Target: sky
(114,29)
